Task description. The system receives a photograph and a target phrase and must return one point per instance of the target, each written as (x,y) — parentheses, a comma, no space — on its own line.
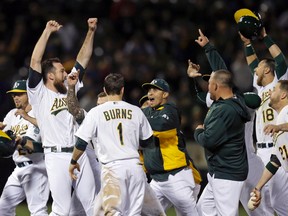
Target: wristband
(73,162)
(271,168)
(268,41)
(249,50)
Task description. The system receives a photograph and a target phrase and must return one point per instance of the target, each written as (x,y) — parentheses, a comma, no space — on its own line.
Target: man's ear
(51,76)
(284,95)
(122,91)
(105,90)
(165,95)
(267,70)
(216,87)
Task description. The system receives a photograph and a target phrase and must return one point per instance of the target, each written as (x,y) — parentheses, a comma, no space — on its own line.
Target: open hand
(193,69)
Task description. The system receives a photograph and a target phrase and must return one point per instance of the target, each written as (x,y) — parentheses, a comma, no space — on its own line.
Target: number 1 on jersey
(119,128)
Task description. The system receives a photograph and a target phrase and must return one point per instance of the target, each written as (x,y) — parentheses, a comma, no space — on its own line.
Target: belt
(264,145)
(55,149)
(23,164)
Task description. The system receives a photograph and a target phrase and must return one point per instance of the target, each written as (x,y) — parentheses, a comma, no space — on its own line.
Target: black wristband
(73,162)
(249,50)
(271,168)
(268,41)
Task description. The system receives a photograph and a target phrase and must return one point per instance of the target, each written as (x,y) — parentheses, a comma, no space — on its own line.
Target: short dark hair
(224,77)
(47,67)
(270,63)
(283,85)
(113,83)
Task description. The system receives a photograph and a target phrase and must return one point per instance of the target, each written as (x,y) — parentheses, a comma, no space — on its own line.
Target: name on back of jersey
(117,114)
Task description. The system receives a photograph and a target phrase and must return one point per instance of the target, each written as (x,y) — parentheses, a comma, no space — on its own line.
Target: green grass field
(23,211)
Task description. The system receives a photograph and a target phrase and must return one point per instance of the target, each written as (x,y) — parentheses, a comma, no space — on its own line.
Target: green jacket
(223,139)
(167,154)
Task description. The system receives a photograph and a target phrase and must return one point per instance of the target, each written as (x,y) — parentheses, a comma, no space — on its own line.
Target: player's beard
(259,80)
(61,88)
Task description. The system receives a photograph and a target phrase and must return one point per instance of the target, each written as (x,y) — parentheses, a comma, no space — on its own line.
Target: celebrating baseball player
(266,74)
(118,126)
(29,178)
(255,164)
(279,155)
(47,94)
(167,161)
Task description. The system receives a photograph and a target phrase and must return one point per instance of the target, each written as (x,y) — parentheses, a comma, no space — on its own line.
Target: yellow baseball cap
(244,12)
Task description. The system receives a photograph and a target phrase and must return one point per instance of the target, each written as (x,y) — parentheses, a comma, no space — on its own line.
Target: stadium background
(142,39)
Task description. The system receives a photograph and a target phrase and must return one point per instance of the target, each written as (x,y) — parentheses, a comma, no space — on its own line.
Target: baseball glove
(7,144)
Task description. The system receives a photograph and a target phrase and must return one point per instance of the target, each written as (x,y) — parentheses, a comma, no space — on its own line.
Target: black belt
(264,145)
(23,164)
(62,149)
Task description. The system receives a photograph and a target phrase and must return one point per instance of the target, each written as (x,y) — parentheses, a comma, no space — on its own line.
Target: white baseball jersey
(277,188)
(57,125)
(21,127)
(118,126)
(281,139)
(265,114)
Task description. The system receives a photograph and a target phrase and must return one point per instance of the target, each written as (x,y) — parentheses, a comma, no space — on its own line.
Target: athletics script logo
(59,105)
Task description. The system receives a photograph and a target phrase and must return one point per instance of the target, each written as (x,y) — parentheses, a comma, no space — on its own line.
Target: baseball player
(151,205)
(29,178)
(279,102)
(118,126)
(167,160)
(79,115)
(48,96)
(266,74)
(145,102)
(222,136)
(255,164)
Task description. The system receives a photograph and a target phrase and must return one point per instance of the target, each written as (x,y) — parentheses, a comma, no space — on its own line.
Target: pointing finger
(200,32)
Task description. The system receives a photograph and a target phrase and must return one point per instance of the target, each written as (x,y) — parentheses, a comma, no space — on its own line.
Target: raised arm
(37,55)
(85,52)
(72,100)
(251,57)
(215,60)
(276,53)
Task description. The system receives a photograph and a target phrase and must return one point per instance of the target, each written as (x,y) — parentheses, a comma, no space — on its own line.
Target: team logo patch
(59,105)
(36,130)
(16,85)
(165,116)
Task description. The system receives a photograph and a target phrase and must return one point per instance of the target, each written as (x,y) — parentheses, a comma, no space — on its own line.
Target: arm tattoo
(74,106)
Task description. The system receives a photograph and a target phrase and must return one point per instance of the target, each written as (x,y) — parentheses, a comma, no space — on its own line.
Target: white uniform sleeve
(145,130)
(7,120)
(87,129)
(33,131)
(35,94)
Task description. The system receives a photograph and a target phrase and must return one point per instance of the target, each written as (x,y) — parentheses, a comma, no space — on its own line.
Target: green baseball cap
(252,100)
(157,83)
(18,87)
